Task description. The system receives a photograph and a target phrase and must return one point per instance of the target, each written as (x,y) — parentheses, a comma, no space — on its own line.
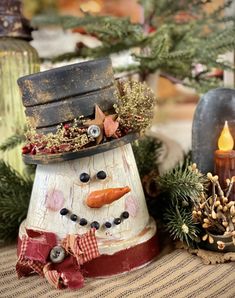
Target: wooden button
(57,254)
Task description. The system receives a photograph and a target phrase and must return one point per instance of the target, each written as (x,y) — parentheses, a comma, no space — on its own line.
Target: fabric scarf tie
(34,257)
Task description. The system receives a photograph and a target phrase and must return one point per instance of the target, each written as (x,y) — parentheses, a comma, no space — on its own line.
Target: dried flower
(211,239)
(135,107)
(225,208)
(232,210)
(209,176)
(214,212)
(225,200)
(231,203)
(225,224)
(205,225)
(68,138)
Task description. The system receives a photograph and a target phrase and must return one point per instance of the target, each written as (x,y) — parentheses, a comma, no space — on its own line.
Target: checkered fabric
(24,245)
(88,245)
(64,275)
(80,249)
(84,247)
(52,276)
(24,267)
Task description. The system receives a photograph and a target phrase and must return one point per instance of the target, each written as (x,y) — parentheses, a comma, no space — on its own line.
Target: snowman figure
(87,214)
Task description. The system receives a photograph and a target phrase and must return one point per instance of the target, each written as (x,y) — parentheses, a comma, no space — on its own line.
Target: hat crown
(66,81)
(62,94)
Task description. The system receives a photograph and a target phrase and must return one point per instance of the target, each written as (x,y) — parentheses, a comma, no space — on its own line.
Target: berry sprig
(68,138)
(71,137)
(216,213)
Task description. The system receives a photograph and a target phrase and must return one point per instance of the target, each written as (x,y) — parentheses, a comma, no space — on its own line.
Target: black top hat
(71,111)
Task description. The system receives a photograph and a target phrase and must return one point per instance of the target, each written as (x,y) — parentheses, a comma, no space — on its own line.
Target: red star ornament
(107,124)
(110,125)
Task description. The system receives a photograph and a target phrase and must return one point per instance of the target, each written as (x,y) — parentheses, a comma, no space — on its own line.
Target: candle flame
(225,142)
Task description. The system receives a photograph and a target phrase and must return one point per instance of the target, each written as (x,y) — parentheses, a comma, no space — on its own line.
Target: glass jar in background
(17,58)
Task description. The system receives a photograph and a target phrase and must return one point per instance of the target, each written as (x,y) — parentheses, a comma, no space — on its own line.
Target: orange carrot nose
(99,198)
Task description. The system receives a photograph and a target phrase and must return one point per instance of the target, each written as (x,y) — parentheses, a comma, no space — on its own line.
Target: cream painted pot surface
(58,186)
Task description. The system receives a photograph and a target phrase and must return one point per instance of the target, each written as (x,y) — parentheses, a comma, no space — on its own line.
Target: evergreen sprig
(173,46)
(12,142)
(146,151)
(180,190)
(14,199)
(182,184)
(116,34)
(180,225)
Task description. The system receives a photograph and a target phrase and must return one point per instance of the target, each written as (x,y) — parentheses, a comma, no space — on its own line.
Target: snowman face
(96,199)
(102,191)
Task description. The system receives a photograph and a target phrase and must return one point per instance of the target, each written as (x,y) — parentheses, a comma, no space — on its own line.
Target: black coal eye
(84,177)
(101,175)
(64,211)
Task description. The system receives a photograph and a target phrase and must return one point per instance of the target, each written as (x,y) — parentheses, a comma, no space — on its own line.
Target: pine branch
(146,151)
(183,184)
(131,69)
(12,142)
(179,41)
(106,28)
(180,225)
(14,199)
(220,10)
(65,22)
(202,85)
(218,43)
(164,11)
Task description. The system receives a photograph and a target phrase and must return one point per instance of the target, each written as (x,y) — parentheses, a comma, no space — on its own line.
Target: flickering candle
(225,158)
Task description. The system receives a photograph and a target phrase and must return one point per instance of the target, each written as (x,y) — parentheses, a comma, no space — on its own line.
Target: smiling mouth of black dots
(94,224)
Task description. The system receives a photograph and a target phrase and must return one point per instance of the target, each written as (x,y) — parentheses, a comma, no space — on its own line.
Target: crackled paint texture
(54,199)
(55,182)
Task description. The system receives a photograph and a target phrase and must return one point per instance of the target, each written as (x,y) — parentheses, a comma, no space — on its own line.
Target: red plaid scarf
(35,249)
(84,248)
